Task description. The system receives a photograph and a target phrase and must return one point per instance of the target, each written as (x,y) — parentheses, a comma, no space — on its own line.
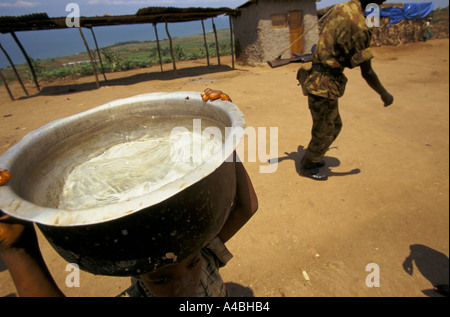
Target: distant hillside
(124,56)
(439,23)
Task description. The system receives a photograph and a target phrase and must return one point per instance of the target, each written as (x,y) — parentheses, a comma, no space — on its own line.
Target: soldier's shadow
(330,162)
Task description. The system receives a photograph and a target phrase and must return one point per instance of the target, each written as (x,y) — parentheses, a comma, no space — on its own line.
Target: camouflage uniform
(344,42)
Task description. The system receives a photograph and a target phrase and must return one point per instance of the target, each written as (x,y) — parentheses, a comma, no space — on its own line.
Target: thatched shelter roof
(41,21)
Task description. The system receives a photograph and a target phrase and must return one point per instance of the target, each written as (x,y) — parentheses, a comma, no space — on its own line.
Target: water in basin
(139,166)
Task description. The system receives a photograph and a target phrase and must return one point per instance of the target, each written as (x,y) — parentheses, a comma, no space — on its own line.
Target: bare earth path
(386,200)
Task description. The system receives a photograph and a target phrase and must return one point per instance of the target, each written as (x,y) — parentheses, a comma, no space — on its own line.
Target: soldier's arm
(372,80)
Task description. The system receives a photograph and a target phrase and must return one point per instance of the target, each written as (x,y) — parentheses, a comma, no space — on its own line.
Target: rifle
(284,61)
(277,62)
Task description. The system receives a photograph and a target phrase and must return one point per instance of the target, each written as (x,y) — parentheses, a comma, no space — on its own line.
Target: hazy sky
(57,8)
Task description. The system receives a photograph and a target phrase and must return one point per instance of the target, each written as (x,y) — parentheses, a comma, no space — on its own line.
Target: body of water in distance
(44,44)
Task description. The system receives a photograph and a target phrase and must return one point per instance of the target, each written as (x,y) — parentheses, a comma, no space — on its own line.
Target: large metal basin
(143,233)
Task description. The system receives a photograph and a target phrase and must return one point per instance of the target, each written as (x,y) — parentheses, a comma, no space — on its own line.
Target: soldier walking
(344,42)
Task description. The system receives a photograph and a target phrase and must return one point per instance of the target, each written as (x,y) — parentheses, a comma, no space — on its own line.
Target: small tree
(114,59)
(179,52)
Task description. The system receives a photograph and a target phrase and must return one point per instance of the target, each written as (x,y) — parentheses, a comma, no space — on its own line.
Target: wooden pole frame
(171,47)
(231,41)
(217,41)
(6,86)
(206,44)
(27,59)
(90,57)
(98,51)
(14,69)
(159,48)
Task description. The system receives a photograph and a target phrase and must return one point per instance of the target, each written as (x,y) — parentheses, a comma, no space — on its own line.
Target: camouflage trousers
(327,125)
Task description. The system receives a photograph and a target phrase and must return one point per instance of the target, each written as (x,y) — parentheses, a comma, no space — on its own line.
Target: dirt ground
(386,200)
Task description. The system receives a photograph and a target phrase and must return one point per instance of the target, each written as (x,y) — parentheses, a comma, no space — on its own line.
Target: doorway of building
(295,30)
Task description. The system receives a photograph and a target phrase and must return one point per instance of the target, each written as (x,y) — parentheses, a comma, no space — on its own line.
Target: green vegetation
(440,15)
(124,56)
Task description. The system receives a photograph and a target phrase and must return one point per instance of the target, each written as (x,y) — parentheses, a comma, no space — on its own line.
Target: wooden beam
(171,48)
(217,41)
(206,44)
(153,15)
(14,69)
(27,59)
(231,42)
(90,57)
(6,86)
(98,52)
(157,45)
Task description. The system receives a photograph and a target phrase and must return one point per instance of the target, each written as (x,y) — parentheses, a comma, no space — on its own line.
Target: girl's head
(177,280)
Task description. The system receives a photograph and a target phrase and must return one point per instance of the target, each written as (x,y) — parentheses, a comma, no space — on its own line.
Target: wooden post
(98,52)
(6,86)
(171,48)
(217,42)
(206,44)
(157,45)
(231,41)
(27,58)
(90,57)
(15,70)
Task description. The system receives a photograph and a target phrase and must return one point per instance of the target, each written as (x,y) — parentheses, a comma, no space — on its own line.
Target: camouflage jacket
(344,42)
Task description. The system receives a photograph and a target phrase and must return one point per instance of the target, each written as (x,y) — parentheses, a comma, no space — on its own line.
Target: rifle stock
(279,62)
(284,61)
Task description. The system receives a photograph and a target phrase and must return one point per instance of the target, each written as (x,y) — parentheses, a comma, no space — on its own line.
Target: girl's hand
(15,234)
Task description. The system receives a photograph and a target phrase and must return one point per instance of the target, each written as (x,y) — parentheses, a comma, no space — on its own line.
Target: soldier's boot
(311,169)
(313,173)
(320,164)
